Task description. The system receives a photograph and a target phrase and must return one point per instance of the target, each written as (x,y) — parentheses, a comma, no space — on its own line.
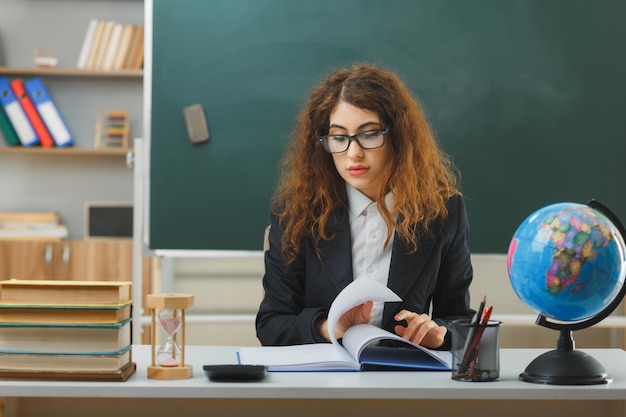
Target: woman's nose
(354,150)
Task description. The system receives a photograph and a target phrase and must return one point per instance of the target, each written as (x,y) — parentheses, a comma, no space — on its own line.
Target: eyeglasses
(369,139)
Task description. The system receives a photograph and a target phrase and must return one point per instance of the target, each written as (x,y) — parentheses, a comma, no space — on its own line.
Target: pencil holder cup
(475,350)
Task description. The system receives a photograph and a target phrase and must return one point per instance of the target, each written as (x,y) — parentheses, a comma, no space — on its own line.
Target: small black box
(109,220)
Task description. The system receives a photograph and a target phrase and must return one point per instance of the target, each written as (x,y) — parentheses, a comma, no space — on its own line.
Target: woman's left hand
(420,329)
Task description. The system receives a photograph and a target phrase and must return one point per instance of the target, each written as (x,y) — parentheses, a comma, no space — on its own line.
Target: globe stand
(565,365)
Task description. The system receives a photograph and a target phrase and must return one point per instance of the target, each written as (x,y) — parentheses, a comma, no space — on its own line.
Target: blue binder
(49,112)
(16,114)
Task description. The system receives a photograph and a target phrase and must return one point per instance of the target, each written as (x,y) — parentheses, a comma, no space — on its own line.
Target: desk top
(281,385)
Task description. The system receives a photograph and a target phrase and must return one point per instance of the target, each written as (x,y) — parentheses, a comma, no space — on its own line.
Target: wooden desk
(321,394)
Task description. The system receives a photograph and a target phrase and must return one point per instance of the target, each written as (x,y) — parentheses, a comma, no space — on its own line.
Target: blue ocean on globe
(567,261)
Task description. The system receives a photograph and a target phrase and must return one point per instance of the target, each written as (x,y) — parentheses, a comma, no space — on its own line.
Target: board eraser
(197,129)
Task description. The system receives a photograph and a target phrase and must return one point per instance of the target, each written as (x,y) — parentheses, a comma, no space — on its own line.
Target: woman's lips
(357,170)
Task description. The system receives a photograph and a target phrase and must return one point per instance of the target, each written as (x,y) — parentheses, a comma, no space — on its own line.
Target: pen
(479,314)
(473,350)
(470,336)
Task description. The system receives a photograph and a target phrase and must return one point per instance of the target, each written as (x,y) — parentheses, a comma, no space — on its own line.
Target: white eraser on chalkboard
(197,128)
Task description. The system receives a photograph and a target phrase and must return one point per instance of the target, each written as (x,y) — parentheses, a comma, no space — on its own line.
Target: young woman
(365,193)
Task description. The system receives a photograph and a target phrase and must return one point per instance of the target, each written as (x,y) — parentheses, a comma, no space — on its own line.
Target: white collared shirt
(369,231)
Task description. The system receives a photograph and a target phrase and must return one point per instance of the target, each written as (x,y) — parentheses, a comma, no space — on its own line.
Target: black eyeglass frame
(324,139)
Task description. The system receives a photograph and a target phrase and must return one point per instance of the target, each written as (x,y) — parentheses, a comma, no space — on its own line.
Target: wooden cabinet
(84,260)
(102,260)
(36,259)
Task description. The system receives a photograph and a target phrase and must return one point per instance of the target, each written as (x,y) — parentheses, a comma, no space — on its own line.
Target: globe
(566,261)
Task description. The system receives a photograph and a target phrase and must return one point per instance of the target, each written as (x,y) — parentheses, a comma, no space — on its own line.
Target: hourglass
(168,362)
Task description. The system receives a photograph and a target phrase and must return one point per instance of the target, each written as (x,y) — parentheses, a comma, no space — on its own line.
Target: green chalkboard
(527,96)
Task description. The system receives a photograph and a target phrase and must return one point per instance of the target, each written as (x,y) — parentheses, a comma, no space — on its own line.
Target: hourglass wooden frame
(174,302)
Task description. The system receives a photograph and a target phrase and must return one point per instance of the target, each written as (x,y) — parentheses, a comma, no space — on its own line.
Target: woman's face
(361,168)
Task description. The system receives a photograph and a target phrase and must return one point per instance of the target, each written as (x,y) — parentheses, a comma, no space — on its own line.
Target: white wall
(233,287)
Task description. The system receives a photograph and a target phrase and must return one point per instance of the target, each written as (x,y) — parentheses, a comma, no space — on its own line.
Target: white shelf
(69,72)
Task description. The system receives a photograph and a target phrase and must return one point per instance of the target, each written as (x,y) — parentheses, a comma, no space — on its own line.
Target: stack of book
(29,117)
(111,46)
(65,330)
(45,225)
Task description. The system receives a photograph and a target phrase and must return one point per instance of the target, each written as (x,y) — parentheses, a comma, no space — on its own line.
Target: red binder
(31,112)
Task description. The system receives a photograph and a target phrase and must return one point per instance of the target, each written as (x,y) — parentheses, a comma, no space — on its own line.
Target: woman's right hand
(360,314)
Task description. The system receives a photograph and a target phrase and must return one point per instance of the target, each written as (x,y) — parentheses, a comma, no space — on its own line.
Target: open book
(361,348)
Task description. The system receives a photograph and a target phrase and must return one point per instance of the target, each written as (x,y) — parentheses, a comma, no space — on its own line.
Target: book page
(308,357)
(359,337)
(320,356)
(357,292)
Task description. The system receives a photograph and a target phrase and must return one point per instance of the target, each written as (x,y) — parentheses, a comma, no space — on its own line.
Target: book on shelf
(33,231)
(111,46)
(1,53)
(95,45)
(88,40)
(137,49)
(26,225)
(119,375)
(103,45)
(45,139)
(9,134)
(124,46)
(53,292)
(49,112)
(65,314)
(65,362)
(56,338)
(111,49)
(30,216)
(16,114)
(132,48)
(363,347)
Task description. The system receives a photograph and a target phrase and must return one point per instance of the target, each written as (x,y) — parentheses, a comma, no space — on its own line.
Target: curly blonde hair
(421,176)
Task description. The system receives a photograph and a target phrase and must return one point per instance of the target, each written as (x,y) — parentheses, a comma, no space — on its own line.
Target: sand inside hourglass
(168,355)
